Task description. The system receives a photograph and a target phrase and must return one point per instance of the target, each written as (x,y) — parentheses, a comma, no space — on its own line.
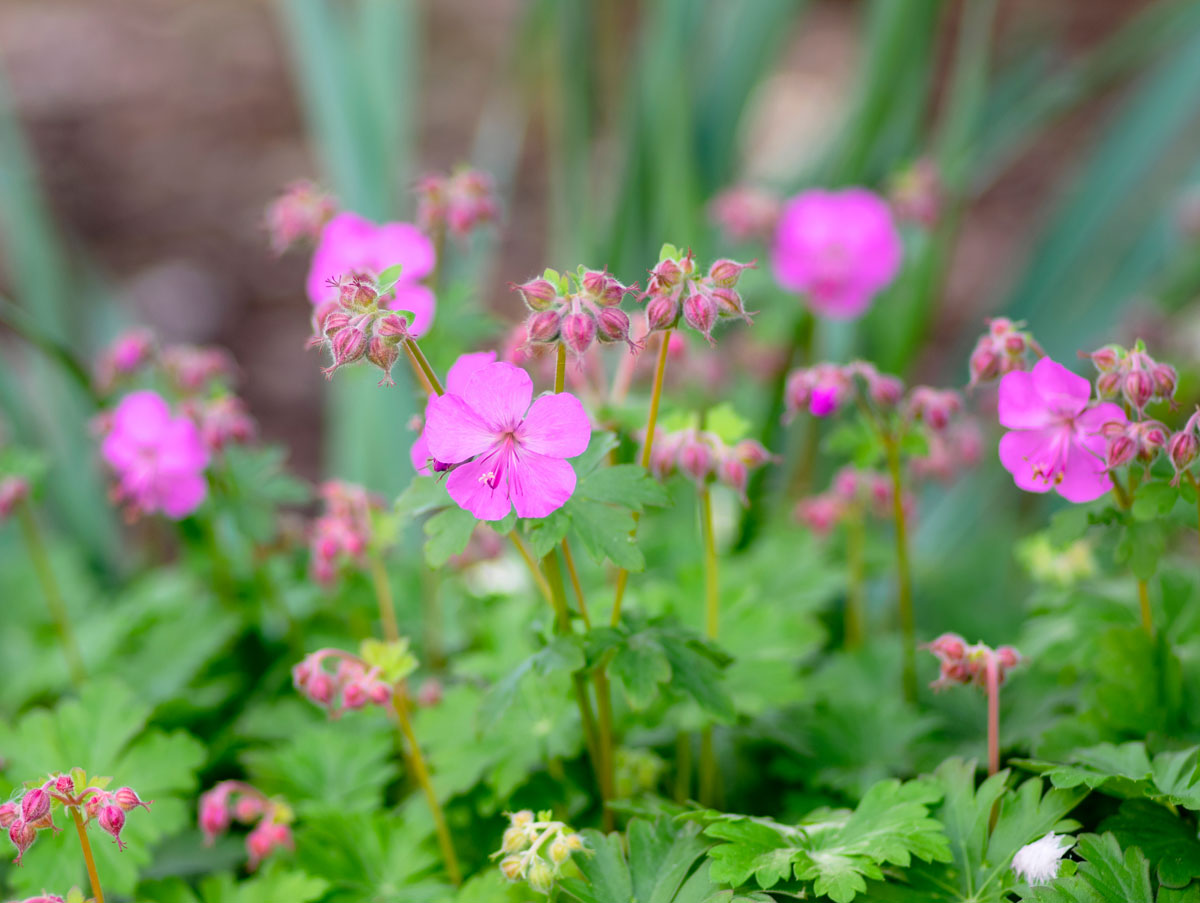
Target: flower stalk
(992,677)
(855,617)
(50,591)
(903,571)
(88,859)
(708,762)
(383,596)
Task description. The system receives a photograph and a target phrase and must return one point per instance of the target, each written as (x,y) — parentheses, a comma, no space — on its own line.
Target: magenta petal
(404,244)
(470,486)
(556,425)
(141,416)
(1064,392)
(1019,407)
(419,455)
(1093,419)
(500,393)
(344,246)
(182,493)
(460,371)
(1020,451)
(420,301)
(180,447)
(454,432)
(1084,478)
(540,484)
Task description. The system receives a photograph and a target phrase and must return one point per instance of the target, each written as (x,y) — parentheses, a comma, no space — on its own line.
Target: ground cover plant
(702,568)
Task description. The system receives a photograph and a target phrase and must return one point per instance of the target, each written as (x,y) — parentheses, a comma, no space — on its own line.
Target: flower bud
(734,473)
(984,365)
(320,688)
(1138,388)
(354,696)
(430,693)
(1182,449)
(1119,451)
(612,325)
(823,401)
(9,813)
(512,867)
(574,842)
(752,453)
(13,491)
(541,876)
(543,327)
(559,851)
(949,646)
(885,390)
(700,313)
(1008,657)
(35,806)
(22,836)
(94,803)
(348,346)
(538,294)
(383,355)
(214,815)
(666,274)
(112,820)
(522,818)
(1107,358)
(729,304)
(248,808)
(725,273)
(820,513)
(578,331)
(662,312)
(1108,384)
(696,459)
(515,840)
(392,325)
(1165,380)
(379,693)
(1015,344)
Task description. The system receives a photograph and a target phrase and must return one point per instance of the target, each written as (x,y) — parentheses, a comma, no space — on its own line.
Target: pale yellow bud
(559,851)
(574,842)
(541,876)
(524,817)
(514,839)
(512,867)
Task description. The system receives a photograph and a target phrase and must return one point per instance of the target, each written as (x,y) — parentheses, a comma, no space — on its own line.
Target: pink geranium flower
(350,244)
(159,459)
(509,454)
(1056,441)
(456,379)
(838,248)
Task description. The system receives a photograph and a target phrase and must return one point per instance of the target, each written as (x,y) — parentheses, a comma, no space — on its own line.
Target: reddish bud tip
(128,799)
(112,820)
(22,836)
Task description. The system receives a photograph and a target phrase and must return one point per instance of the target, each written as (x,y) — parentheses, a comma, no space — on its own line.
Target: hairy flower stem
(1125,502)
(88,860)
(855,618)
(651,423)
(418,357)
(383,595)
(708,762)
(993,713)
(908,630)
(421,774)
(54,599)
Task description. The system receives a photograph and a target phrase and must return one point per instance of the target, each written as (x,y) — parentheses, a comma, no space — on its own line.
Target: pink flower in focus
(159,459)
(510,454)
(350,244)
(1055,440)
(456,379)
(839,248)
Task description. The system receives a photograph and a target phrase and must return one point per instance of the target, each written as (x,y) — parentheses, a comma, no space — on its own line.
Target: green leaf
(727,423)
(1154,500)
(605,532)
(627,485)
(448,533)
(424,494)
(661,858)
(1107,875)
(394,660)
(1177,777)
(1116,769)
(641,665)
(1167,840)
(668,252)
(546,533)
(388,278)
(563,653)
(601,443)
(1068,525)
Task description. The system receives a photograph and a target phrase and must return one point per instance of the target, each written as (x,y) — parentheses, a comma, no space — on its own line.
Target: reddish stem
(993,712)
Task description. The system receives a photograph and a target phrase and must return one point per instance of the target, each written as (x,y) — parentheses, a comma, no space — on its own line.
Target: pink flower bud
(9,813)
(1001,326)
(383,355)
(1182,449)
(379,693)
(214,814)
(1015,344)
(666,274)
(248,808)
(578,331)
(354,696)
(734,473)
(696,459)
(820,513)
(984,365)
(602,288)
(13,491)
(846,484)
(1107,358)
(700,313)
(729,304)
(22,836)
(752,453)
(1108,384)
(934,406)
(612,325)
(348,346)
(726,273)
(320,688)
(885,390)
(93,804)
(1008,657)
(662,312)
(112,820)
(64,784)
(430,693)
(392,325)
(1138,388)
(267,837)
(1165,380)
(543,327)
(948,647)
(538,294)
(35,806)
(823,401)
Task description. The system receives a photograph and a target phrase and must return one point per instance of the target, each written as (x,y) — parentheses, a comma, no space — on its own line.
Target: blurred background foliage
(1066,135)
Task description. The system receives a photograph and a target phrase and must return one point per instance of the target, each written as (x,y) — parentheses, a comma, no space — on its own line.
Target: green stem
(418,358)
(708,762)
(908,630)
(683,767)
(1144,604)
(54,599)
(421,773)
(707,790)
(88,860)
(1125,501)
(855,618)
(383,595)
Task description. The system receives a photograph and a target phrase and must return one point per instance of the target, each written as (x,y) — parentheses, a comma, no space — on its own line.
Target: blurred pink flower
(350,244)
(1055,440)
(456,379)
(510,454)
(839,248)
(159,459)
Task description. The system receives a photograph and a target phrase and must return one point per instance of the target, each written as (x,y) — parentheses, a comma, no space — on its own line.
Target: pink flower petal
(1020,452)
(1019,406)
(404,244)
(141,416)
(454,431)
(1084,478)
(470,485)
(556,425)
(182,493)
(460,371)
(420,301)
(539,484)
(499,393)
(1060,390)
(419,455)
(341,248)
(1092,420)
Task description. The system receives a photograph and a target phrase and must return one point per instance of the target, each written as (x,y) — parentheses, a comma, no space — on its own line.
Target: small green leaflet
(1107,875)
(388,278)
(1167,840)
(563,653)
(1127,771)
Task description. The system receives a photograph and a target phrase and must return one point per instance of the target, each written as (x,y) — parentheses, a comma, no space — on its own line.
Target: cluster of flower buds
(342,534)
(13,491)
(1182,448)
(1134,375)
(298,215)
(917,193)
(43,897)
(1005,347)
(936,408)
(823,389)
(128,353)
(745,213)
(535,849)
(853,492)
(33,811)
(355,326)
(222,420)
(678,291)
(952,450)
(1139,440)
(590,313)
(458,203)
(197,368)
(703,457)
(353,684)
(965,664)
(232,801)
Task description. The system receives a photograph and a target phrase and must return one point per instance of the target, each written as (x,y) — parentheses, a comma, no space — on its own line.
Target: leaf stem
(88,860)
(417,761)
(903,571)
(50,590)
(1125,501)
(535,572)
(383,595)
